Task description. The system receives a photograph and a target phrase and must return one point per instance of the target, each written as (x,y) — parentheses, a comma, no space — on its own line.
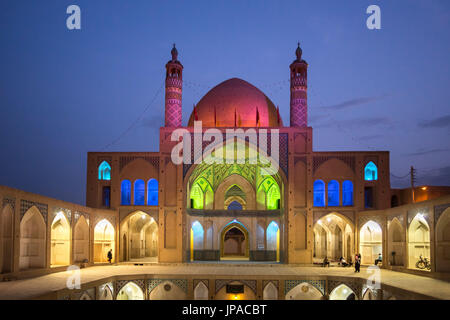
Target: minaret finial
(298,52)
(174,53)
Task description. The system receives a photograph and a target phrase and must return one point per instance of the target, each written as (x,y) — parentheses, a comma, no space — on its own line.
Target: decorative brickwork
(10,201)
(347,159)
(25,205)
(154,161)
(181,283)
(318,284)
(438,210)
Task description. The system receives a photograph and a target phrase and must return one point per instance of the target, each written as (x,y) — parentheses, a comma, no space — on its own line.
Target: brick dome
(236,101)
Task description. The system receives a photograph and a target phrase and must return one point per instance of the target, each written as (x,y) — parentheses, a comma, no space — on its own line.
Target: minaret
(174,90)
(299,80)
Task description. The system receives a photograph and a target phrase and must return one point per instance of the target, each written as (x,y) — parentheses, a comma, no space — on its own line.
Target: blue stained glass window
(319,193)
(125,193)
(347,193)
(198,232)
(152,197)
(139,192)
(235,205)
(333,193)
(272,235)
(370,172)
(104,171)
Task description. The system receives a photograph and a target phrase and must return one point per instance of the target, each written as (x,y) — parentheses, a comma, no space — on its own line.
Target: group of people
(344,263)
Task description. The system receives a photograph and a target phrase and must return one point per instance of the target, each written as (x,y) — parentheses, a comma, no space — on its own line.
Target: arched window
(319,193)
(333,193)
(139,192)
(196,197)
(125,193)
(347,193)
(273,197)
(152,190)
(268,194)
(235,205)
(273,239)
(104,171)
(370,172)
(197,236)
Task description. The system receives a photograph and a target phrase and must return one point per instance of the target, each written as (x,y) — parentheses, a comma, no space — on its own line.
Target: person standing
(357,263)
(110,255)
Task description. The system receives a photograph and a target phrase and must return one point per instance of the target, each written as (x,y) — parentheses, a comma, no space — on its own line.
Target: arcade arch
(32,240)
(139,238)
(103,241)
(370,242)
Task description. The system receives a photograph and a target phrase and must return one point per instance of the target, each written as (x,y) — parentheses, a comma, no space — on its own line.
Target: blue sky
(64,93)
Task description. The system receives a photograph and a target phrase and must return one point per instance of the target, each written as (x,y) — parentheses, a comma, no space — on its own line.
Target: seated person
(379,259)
(344,262)
(326,262)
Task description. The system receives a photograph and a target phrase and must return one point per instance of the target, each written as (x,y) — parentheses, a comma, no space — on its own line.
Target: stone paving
(35,287)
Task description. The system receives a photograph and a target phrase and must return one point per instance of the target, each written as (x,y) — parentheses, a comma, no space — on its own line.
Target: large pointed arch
(139,234)
(418,241)
(220,201)
(254,172)
(81,240)
(342,292)
(443,242)
(130,291)
(370,242)
(33,236)
(333,237)
(234,241)
(396,243)
(60,237)
(104,241)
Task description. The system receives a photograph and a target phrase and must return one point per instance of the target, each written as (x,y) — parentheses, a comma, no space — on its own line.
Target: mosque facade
(286,204)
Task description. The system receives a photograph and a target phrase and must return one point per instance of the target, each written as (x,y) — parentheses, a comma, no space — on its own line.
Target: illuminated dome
(236,101)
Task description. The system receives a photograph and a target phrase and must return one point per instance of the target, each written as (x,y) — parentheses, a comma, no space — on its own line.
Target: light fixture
(424,188)
(319,222)
(328,219)
(143,216)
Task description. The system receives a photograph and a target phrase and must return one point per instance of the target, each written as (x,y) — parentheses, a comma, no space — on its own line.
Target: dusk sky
(66,92)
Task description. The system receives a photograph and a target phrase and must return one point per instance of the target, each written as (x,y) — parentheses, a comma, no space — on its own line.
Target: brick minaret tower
(299,80)
(174,90)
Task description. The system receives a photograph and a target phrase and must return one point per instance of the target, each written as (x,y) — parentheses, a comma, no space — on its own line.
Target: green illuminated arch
(268,194)
(202,194)
(206,177)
